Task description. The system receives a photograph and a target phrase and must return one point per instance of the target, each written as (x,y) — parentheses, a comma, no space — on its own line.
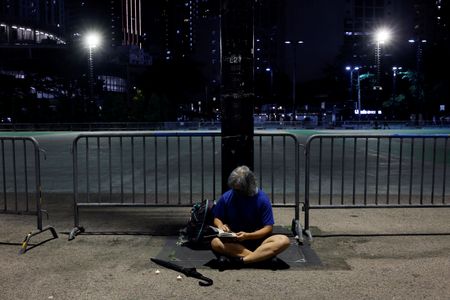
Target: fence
(21,182)
(375,171)
(174,169)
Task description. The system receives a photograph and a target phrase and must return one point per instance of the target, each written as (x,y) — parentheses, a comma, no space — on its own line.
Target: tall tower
(120,21)
(131,20)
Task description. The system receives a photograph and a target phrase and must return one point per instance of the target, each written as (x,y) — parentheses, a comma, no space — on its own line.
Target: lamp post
(358,87)
(271,81)
(395,70)
(381,36)
(92,41)
(294,70)
(419,50)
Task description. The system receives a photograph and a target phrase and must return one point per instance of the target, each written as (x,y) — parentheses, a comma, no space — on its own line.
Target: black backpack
(198,231)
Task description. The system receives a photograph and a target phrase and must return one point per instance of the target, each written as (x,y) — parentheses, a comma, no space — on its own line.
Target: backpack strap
(204,219)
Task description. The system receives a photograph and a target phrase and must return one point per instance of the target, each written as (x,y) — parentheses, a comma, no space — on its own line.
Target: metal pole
(359,97)
(377,57)
(294,79)
(91,74)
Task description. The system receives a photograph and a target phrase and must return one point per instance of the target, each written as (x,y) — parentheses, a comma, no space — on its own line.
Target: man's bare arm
(256,235)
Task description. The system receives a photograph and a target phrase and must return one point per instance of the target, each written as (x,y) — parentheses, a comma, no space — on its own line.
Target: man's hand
(241,236)
(225,228)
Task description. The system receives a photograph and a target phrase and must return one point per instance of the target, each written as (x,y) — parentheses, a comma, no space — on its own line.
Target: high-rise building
(27,19)
(40,14)
(119,21)
(362,19)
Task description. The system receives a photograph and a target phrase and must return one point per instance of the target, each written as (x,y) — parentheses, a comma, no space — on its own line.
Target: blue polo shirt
(243,213)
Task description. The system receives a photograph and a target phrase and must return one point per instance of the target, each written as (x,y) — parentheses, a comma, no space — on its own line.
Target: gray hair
(243,180)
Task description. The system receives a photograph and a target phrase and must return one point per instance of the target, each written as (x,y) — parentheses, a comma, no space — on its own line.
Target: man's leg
(229,249)
(270,247)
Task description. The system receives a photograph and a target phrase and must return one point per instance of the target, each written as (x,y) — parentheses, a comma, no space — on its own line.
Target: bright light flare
(382,36)
(92,40)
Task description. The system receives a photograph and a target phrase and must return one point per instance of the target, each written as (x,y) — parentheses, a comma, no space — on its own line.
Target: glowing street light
(382,36)
(92,40)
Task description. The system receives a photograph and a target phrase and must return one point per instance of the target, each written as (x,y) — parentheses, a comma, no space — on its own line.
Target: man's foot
(230,263)
(223,263)
(237,262)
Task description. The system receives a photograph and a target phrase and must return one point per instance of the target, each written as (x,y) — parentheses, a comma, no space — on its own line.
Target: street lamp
(395,70)
(294,70)
(381,36)
(358,87)
(92,40)
(419,43)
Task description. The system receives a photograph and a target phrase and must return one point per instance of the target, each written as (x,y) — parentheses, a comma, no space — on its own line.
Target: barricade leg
(27,239)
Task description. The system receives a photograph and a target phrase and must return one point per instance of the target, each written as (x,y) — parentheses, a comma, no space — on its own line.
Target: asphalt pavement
(365,254)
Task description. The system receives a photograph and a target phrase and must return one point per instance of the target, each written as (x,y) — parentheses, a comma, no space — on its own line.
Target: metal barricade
(375,171)
(174,169)
(20,183)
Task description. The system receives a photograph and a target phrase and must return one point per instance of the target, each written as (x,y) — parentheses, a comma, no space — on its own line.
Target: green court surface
(307,132)
(29,133)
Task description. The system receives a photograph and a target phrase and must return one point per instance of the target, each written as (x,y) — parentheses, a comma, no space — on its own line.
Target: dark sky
(319,23)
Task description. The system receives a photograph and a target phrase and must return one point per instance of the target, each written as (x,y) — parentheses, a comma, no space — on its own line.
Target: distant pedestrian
(385,123)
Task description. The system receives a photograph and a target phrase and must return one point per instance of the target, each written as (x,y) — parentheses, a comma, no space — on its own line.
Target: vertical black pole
(237,97)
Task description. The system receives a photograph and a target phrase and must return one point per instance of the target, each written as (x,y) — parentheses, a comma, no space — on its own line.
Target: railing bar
(26,174)
(377,171)
(260,162)
(99,197)
(37,175)
(190,169)
(156,168)
(110,167)
(271,172)
(5,204)
(388,170)
(179,169)
(214,165)
(284,169)
(422,171)
(167,170)
(331,170)
(320,170)
(400,171)
(121,169)
(202,167)
(366,155)
(133,183)
(15,175)
(144,173)
(87,170)
(434,171)
(411,163)
(444,171)
(342,170)
(75,181)
(354,170)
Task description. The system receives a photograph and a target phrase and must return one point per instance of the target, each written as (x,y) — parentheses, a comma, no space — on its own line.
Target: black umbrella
(189,272)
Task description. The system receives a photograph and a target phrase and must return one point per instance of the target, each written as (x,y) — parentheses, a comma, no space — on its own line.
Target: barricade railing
(375,171)
(20,184)
(174,169)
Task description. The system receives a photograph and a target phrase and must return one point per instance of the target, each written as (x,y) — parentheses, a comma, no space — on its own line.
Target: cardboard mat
(296,256)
